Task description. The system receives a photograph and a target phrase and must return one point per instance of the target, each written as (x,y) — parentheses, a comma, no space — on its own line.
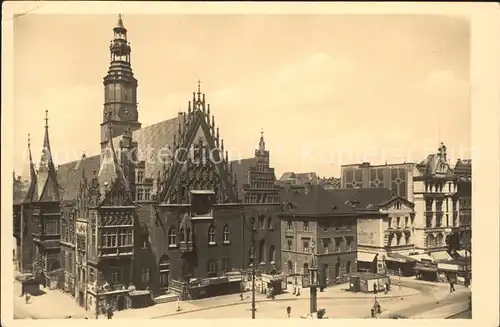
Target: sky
(326,90)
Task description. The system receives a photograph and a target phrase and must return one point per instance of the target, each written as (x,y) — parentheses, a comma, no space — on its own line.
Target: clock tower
(120,89)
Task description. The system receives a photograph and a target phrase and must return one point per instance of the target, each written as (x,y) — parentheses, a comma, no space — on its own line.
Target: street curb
(281,299)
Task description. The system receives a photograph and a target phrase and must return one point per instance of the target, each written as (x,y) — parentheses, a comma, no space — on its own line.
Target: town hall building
(160,210)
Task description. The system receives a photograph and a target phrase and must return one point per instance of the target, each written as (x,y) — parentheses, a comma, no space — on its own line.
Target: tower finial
(46,119)
(199,87)
(29,141)
(120,21)
(262,143)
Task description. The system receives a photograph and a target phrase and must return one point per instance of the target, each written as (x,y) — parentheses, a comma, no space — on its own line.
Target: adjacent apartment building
(439,194)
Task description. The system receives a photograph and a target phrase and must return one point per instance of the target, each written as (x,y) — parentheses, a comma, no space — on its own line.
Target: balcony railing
(104,287)
(113,252)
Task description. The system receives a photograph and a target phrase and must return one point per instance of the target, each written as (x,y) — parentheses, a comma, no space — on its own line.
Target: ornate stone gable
(197,160)
(117,195)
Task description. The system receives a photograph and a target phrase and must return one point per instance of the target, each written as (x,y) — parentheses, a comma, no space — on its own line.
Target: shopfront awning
(428,269)
(422,257)
(463,253)
(139,292)
(441,256)
(366,257)
(397,257)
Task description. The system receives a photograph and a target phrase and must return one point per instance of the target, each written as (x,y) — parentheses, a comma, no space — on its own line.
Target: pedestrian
(27,298)
(452,286)
(288,311)
(386,288)
(374,288)
(241,296)
(110,312)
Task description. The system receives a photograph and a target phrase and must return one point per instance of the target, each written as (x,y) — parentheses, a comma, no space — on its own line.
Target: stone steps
(166,298)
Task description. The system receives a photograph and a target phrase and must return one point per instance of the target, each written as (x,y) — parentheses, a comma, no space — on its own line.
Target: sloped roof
(286,176)
(305,177)
(363,198)
(332,202)
(153,142)
(72,173)
(436,163)
(150,139)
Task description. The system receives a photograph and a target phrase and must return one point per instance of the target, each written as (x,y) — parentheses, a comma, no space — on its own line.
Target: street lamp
(313,305)
(252,258)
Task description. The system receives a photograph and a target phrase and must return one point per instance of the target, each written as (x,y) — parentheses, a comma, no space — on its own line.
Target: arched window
(272,254)
(181,235)
(348,267)
(290,267)
(225,234)
(211,234)
(262,253)
(188,235)
(429,240)
(172,237)
(440,240)
(337,269)
(269,223)
(261,222)
(305,268)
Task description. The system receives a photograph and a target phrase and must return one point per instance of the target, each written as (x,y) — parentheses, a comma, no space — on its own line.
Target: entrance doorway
(120,304)
(164,267)
(80,299)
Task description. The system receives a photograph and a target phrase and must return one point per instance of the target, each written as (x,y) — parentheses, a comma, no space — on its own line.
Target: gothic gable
(117,195)
(197,161)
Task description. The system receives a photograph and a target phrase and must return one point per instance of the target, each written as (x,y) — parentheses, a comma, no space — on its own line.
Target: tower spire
(123,104)
(120,21)
(32,194)
(48,188)
(262,143)
(32,165)
(46,158)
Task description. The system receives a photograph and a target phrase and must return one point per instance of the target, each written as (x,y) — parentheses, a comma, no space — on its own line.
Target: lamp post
(313,304)
(252,258)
